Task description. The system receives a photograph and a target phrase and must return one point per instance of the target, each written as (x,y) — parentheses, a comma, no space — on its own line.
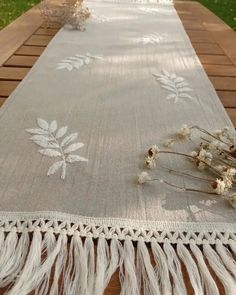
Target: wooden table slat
(228,98)
(208,48)
(214,59)
(38,40)
(220,70)
(21,61)
(30,50)
(224,83)
(12,73)
(6,87)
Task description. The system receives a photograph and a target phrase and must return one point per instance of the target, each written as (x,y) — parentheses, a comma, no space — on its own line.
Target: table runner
(95,95)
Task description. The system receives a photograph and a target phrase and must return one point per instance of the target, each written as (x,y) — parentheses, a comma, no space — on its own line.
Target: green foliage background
(11,9)
(225,9)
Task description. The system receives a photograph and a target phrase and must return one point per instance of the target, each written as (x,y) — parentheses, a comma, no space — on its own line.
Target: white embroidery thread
(77,61)
(47,136)
(154,38)
(100,18)
(178,86)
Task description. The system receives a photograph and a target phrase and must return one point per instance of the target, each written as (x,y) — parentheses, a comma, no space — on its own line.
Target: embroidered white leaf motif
(100,18)
(176,85)
(47,137)
(74,147)
(69,139)
(154,38)
(61,132)
(77,61)
(149,10)
(56,166)
(75,158)
(50,153)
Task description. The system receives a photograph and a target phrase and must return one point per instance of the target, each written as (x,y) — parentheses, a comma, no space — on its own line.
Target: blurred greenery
(11,9)
(225,9)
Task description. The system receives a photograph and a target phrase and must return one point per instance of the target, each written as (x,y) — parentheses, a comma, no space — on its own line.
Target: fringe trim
(52,257)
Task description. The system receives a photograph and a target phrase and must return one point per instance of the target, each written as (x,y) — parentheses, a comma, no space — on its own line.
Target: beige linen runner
(73,135)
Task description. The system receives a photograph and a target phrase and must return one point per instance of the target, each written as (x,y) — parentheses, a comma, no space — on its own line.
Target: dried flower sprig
(216,153)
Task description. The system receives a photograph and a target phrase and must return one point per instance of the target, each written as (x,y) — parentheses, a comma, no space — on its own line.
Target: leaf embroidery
(154,38)
(47,137)
(149,10)
(77,61)
(100,18)
(178,86)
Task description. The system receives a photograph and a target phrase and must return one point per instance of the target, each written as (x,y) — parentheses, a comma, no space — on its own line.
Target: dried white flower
(228,176)
(184,132)
(213,145)
(232,201)
(150,162)
(220,168)
(169,143)
(219,186)
(222,132)
(153,151)
(194,154)
(143,177)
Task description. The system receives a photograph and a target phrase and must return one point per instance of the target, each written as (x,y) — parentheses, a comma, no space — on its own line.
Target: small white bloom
(169,143)
(228,176)
(193,154)
(220,168)
(143,177)
(222,132)
(213,145)
(150,162)
(204,158)
(219,186)
(232,201)
(153,151)
(184,132)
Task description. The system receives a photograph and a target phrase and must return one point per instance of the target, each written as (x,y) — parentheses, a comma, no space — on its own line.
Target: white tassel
(75,281)
(90,261)
(34,270)
(101,266)
(227,258)
(175,270)
(147,272)
(219,269)
(128,277)
(191,268)
(210,286)
(233,247)
(161,268)
(14,261)
(60,265)
(49,242)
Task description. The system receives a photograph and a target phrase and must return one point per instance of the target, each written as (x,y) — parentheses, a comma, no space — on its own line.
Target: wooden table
(23,41)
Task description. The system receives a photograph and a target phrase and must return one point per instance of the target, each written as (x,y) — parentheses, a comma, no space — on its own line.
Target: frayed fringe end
(53,264)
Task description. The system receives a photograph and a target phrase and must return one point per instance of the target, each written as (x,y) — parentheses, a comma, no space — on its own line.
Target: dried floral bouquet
(70,12)
(215,154)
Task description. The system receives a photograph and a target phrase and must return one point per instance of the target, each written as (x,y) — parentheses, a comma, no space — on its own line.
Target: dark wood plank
(15,34)
(232,114)
(12,73)
(6,87)
(46,31)
(21,61)
(200,36)
(193,25)
(220,70)
(38,40)
(224,83)
(30,50)
(214,59)
(228,98)
(207,48)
